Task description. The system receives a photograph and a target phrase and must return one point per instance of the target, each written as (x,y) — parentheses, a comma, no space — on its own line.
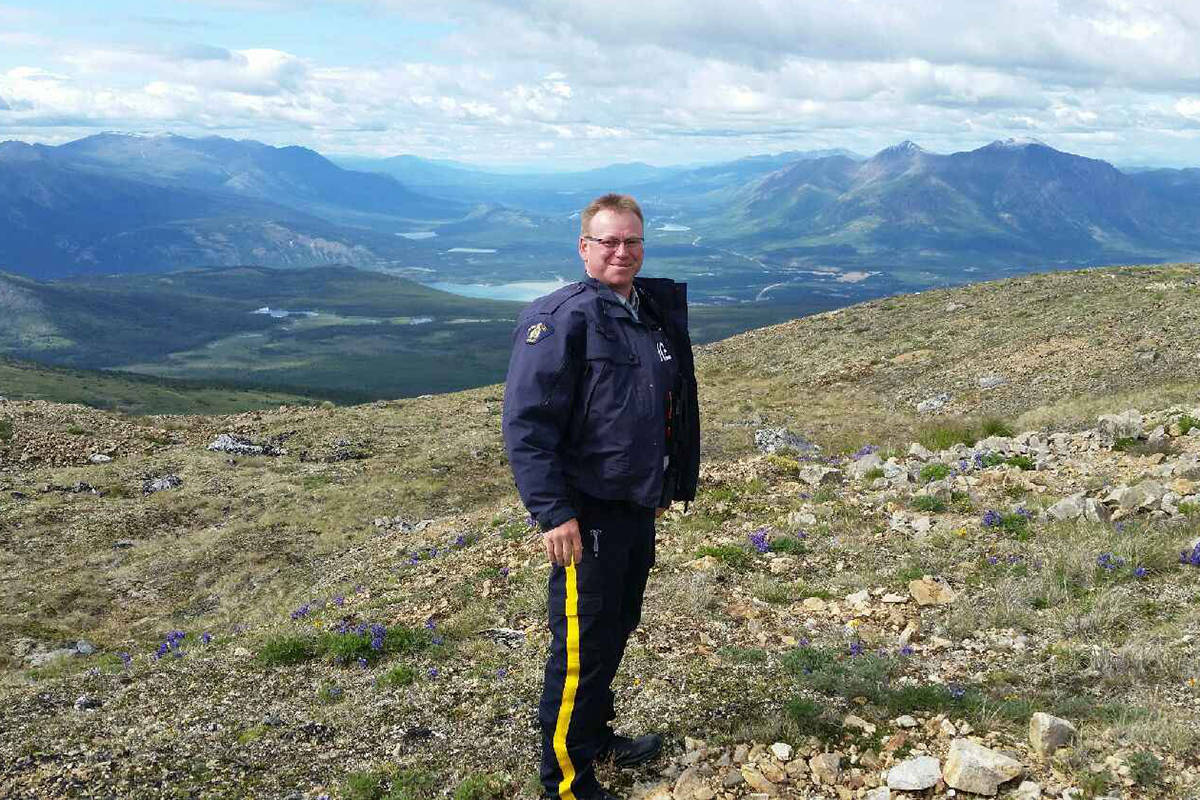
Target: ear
(583,248)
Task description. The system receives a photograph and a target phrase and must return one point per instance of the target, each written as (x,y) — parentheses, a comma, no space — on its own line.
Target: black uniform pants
(594,607)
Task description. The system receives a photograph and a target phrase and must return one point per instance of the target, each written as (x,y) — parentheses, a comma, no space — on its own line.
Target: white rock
(879,793)
(919,451)
(906,721)
(974,768)
(1126,425)
(1068,508)
(932,404)
(782,751)
(1047,733)
(1028,790)
(861,466)
(825,767)
(915,774)
(99,458)
(859,598)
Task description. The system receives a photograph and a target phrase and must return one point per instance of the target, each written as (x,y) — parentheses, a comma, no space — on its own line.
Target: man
(600,424)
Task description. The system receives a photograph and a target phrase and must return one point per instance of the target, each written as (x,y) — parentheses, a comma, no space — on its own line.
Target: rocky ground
(349,602)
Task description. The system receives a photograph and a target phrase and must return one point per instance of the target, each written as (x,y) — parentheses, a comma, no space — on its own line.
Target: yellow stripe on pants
(570,684)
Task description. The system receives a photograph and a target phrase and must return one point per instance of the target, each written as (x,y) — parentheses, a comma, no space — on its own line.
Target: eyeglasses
(632,243)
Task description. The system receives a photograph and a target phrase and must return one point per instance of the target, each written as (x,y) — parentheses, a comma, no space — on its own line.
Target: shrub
(330,694)
(734,555)
(1186,423)
(789,544)
(929,503)
(1145,768)
(934,472)
(1021,462)
(944,434)
(6,430)
(399,675)
(810,719)
(873,473)
(994,426)
(1095,784)
(480,787)
(364,785)
(788,466)
(282,650)
(743,655)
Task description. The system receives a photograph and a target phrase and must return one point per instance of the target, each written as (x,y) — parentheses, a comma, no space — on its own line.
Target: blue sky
(566,83)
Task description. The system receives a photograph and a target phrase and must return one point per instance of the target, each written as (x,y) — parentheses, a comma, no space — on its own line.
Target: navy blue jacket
(585,403)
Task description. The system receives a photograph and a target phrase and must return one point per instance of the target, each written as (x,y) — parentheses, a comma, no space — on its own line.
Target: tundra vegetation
(349,601)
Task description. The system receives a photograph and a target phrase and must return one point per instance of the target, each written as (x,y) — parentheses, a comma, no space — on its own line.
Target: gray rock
(859,467)
(1150,494)
(99,458)
(42,658)
(919,451)
(879,793)
(935,403)
(915,774)
(162,484)
(228,443)
(992,381)
(85,648)
(972,767)
(826,767)
(770,440)
(1068,508)
(1095,511)
(819,476)
(86,702)
(1028,790)
(1126,425)
(1047,733)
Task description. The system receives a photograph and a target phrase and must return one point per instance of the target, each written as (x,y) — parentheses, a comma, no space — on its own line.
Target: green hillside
(129,393)
(789,604)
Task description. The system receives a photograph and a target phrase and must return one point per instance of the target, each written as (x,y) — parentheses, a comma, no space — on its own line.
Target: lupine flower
(991,518)
(126,659)
(437,640)
(906,651)
(993,560)
(530,522)
(339,601)
(378,632)
(957,692)
(430,624)
(433,672)
(502,672)
(866,450)
(302,612)
(803,643)
(801,533)
(759,540)
(206,637)
(460,541)
(1140,572)
(504,572)
(362,662)
(1192,558)
(1025,512)
(1120,527)
(856,648)
(979,457)
(1109,562)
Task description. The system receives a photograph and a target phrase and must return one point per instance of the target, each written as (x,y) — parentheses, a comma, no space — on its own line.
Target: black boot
(623,751)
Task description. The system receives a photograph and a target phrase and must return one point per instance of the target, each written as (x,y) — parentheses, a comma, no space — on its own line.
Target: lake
(523,291)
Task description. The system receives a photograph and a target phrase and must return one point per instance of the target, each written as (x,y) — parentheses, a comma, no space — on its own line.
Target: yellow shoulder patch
(537,331)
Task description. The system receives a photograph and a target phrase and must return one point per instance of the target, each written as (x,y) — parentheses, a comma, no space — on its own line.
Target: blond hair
(609,202)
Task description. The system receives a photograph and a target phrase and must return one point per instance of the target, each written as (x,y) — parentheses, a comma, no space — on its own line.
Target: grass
(790,545)
(1187,423)
(934,472)
(733,555)
(929,503)
(6,429)
(944,434)
(341,648)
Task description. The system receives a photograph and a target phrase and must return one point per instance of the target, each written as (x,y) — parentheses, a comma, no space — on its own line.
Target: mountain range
(124,203)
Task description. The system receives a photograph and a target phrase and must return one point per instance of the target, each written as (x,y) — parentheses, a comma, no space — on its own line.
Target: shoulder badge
(537,331)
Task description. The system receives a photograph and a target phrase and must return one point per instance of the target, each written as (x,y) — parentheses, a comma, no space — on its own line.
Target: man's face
(614,267)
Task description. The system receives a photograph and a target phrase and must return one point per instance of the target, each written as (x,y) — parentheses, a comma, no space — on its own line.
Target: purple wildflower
(437,640)
(504,572)
(759,539)
(362,662)
(433,672)
(993,560)
(856,648)
(991,518)
(957,692)
(126,659)
(206,637)
(378,632)
(1192,558)
(502,672)
(303,611)
(1140,572)
(906,651)
(430,624)
(339,601)
(460,541)
(1109,562)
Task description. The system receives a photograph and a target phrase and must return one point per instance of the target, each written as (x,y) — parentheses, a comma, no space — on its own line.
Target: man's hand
(563,545)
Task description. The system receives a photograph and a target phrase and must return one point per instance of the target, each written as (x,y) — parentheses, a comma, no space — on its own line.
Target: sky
(571,84)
